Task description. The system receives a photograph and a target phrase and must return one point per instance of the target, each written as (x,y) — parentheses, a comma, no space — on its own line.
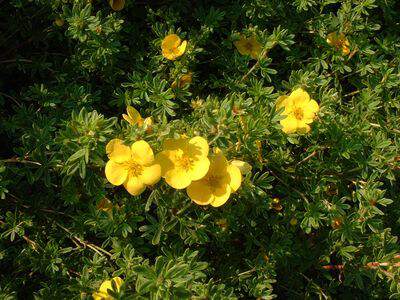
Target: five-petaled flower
(172,47)
(133,117)
(134,166)
(248,46)
(184,160)
(215,188)
(339,42)
(106,286)
(300,111)
(184,80)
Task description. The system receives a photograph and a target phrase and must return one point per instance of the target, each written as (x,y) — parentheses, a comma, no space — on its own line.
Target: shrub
(303,95)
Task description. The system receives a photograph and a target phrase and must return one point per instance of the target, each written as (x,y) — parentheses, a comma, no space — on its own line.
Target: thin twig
(12,98)
(307,158)
(22,161)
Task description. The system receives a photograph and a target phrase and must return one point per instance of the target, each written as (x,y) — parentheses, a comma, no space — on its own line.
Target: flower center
(214,181)
(298,113)
(184,161)
(134,169)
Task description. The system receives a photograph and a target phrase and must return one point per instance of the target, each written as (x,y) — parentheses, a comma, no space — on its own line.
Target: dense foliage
(317,216)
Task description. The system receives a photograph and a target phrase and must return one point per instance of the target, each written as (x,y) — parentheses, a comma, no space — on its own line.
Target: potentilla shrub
(199,149)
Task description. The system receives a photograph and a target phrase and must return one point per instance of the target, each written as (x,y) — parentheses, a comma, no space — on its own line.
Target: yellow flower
(117,5)
(133,117)
(221,180)
(338,41)
(134,166)
(103,294)
(59,22)
(184,80)
(184,160)
(172,47)
(243,166)
(299,109)
(248,46)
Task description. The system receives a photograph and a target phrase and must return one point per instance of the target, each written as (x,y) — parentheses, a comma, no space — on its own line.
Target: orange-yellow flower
(182,81)
(300,111)
(105,205)
(103,294)
(339,42)
(133,117)
(248,46)
(117,5)
(134,166)
(215,188)
(184,160)
(172,47)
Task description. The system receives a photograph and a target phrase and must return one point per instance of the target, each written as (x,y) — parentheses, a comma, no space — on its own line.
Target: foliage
(318,215)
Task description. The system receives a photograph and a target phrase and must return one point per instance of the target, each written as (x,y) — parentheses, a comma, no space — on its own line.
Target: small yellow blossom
(339,42)
(276,204)
(117,5)
(196,104)
(133,117)
(134,166)
(293,221)
(184,160)
(103,294)
(215,188)
(300,111)
(183,81)
(244,167)
(105,205)
(172,47)
(248,46)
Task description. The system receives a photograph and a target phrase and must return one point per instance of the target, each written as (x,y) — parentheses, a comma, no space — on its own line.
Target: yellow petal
(118,282)
(134,185)
(221,195)
(151,175)
(133,114)
(178,178)
(218,164)
(289,124)
(104,205)
(128,119)
(105,286)
(242,46)
(99,296)
(198,146)
(299,97)
(235,177)
(181,49)
(243,166)
(303,127)
(148,122)
(116,173)
(174,144)
(117,151)
(200,193)
(117,5)
(199,168)
(171,41)
(142,153)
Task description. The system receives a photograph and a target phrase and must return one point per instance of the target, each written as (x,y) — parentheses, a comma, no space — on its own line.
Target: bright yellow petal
(313,106)
(116,173)
(133,114)
(105,286)
(200,193)
(117,151)
(99,296)
(148,122)
(118,282)
(243,166)
(142,153)
(289,124)
(198,146)
(235,177)
(174,144)
(134,185)
(299,97)
(199,168)
(221,195)
(128,119)
(151,175)
(181,49)
(178,178)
